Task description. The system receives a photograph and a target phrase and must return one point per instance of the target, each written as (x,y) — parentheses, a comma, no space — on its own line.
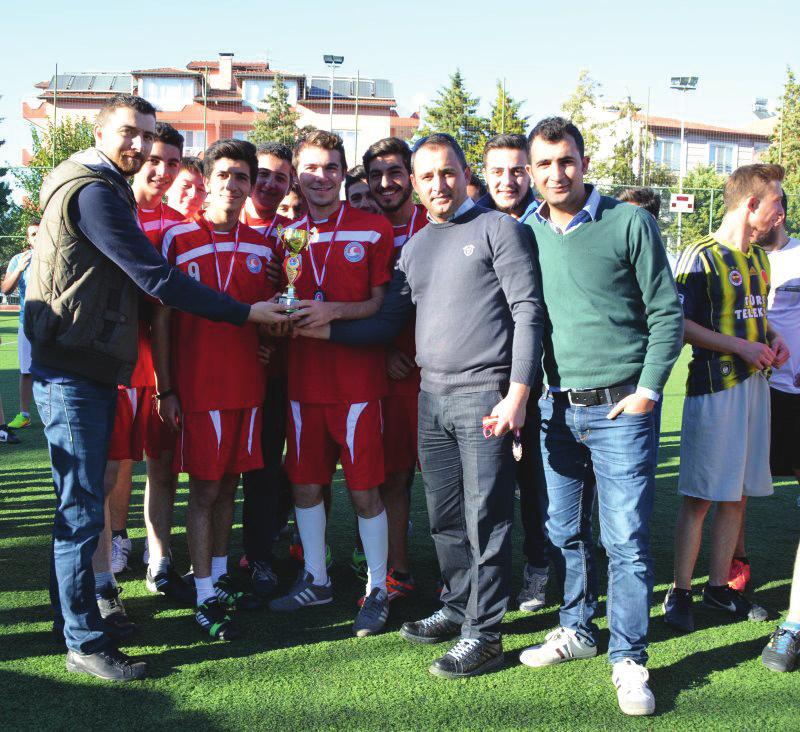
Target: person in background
(357,192)
(293,206)
(476,188)
(188,192)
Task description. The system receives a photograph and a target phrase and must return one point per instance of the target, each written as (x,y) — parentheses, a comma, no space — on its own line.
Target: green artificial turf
(307,671)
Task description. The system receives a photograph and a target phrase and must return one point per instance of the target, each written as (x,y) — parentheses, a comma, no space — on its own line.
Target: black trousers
(267,492)
(469,488)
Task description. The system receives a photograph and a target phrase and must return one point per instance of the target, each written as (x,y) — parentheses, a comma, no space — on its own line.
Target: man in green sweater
(615,330)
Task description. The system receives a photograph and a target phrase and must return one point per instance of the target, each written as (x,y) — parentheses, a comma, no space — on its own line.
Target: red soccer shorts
(216,443)
(400,419)
(131,423)
(160,437)
(317,435)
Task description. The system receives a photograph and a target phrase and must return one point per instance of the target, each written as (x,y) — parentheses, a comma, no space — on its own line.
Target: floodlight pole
(333,62)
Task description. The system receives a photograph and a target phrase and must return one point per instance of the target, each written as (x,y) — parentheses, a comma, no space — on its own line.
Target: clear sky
(739,49)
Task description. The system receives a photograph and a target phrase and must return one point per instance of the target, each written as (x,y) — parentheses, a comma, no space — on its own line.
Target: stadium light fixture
(332,61)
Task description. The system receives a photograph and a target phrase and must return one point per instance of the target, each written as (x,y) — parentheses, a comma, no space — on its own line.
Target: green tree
(706,184)
(279,122)
(50,147)
(580,107)
(505,117)
(455,111)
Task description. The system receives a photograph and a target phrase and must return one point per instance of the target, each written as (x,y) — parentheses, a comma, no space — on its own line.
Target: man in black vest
(82,319)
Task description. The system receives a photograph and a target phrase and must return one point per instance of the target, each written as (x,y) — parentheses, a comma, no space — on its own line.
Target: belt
(591,397)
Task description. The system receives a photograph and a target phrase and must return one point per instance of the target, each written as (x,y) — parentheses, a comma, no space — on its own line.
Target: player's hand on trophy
(314,313)
(269,312)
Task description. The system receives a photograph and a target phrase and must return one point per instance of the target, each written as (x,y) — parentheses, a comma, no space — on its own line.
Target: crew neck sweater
(613,310)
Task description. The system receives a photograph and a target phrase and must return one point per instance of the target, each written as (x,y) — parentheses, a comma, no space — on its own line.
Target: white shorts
(23,350)
(725,441)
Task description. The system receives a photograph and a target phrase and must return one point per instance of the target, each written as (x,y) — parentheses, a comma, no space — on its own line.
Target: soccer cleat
(109,664)
(560,645)
(304,593)
(372,616)
(469,657)
(171,585)
(19,422)
(739,575)
(433,629)
(296,551)
(118,625)
(232,596)
(264,580)
(733,602)
(633,693)
(678,609)
(213,618)
(780,654)
(358,563)
(399,588)
(7,435)
(120,549)
(532,598)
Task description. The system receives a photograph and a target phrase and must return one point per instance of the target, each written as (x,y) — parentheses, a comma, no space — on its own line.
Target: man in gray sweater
(475,284)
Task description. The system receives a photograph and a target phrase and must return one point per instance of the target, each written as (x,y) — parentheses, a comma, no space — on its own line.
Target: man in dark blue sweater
(82,321)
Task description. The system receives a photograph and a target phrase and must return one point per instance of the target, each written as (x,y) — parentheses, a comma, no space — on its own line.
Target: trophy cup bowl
(295,240)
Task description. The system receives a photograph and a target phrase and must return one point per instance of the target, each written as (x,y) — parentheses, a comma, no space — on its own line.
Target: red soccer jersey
(322,372)
(264,226)
(405,342)
(215,365)
(153,222)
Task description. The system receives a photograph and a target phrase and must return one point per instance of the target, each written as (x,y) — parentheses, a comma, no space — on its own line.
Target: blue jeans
(621,453)
(469,488)
(78,416)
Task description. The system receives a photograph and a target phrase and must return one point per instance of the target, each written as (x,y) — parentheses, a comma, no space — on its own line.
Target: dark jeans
(469,488)
(267,492)
(78,416)
(621,452)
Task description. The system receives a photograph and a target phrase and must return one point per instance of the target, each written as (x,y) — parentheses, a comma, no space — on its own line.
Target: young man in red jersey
(213,386)
(388,169)
(188,193)
(137,427)
(335,391)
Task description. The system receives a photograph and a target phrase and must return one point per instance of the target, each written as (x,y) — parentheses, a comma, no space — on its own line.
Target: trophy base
(289,302)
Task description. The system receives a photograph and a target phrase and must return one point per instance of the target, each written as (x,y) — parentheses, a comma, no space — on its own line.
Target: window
(256,91)
(667,153)
(169,94)
(720,157)
(194,141)
(240,134)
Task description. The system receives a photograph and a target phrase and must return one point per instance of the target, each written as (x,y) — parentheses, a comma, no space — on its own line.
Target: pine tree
(505,118)
(279,122)
(455,112)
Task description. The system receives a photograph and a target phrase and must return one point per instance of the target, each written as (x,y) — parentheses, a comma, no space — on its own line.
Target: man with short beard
(81,318)
(387,164)
(506,167)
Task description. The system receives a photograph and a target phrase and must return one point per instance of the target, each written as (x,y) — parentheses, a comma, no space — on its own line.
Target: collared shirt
(462,209)
(586,215)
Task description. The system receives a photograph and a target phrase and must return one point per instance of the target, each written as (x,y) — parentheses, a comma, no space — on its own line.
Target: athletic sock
(122,532)
(375,537)
(101,579)
(205,589)
(219,566)
(311,526)
(157,565)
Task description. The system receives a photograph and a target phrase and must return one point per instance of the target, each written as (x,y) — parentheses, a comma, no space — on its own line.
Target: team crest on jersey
(753,270)
(354,252)
(725,368)
(253,263)
(735,277)
(469,250)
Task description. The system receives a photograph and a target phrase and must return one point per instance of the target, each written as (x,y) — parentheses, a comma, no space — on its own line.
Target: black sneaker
(8,435)
(109,664)
(732,601)
(232,596)
(213,618)
(435,629)
(264,580)
(469,657)
(171,585)
(118,625)
(780,654)
(678,609)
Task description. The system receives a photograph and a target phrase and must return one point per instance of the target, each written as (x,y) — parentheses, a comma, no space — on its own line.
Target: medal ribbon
(216,259)
(319,279)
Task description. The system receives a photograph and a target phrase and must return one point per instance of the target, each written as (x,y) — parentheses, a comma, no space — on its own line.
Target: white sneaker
(120,549)
(560,645)
(633,693)
(532,598)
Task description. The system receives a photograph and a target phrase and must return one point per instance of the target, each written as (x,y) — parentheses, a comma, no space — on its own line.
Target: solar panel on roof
(81,82)
(123,83)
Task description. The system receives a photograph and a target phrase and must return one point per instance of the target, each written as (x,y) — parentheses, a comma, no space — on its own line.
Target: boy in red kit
(388,169)
(188,193)
(335,392)
(216,407)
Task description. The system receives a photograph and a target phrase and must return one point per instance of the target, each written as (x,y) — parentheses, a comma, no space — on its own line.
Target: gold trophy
(295,240)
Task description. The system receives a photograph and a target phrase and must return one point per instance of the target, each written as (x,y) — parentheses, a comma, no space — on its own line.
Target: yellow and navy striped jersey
(725,290)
